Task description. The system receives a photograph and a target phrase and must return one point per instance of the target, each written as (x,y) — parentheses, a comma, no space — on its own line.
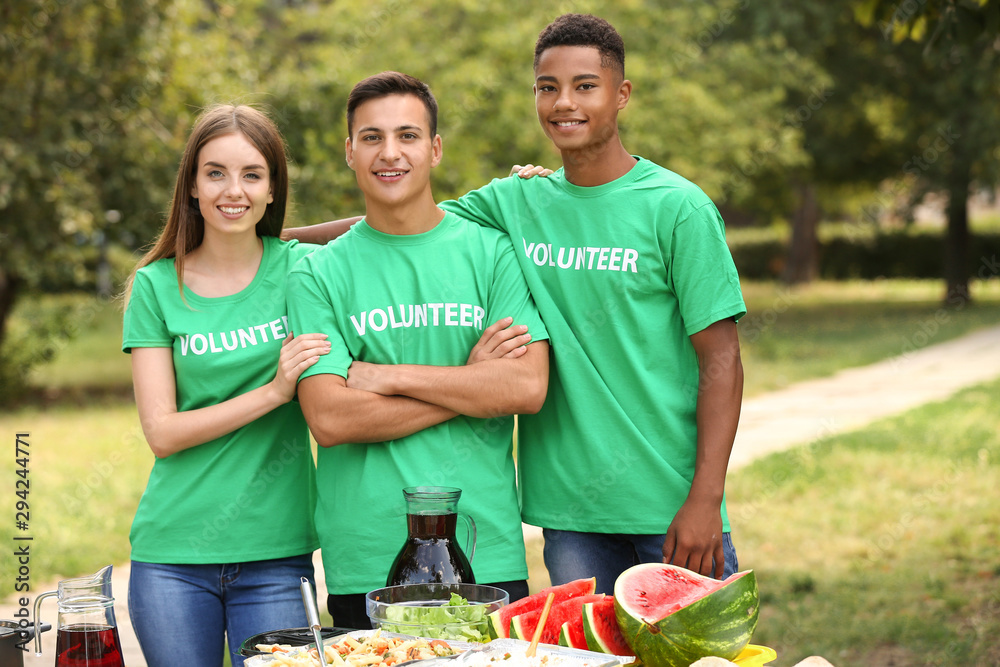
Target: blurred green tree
(81,137)
(845,107)
(949,74)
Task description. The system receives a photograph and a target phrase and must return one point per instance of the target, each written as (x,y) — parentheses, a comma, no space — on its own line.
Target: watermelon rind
(601,630)
(565,636)
(719,624)
(498,622)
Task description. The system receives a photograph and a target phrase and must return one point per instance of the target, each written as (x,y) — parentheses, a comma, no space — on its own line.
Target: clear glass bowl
(423,610)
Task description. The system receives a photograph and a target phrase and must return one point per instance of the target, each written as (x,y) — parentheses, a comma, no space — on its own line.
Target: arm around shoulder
(320,233)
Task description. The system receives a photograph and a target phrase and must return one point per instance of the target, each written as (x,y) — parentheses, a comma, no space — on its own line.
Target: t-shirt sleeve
(702,271)
(311,310)
(509,295)
(143,324)
(480,206)
(297,250)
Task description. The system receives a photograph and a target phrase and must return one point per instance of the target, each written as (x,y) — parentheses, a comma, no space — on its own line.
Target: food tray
(289,636)
(570,657)
(360,635)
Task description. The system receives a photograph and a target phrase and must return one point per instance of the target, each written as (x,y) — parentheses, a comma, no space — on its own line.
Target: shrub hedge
(884,255)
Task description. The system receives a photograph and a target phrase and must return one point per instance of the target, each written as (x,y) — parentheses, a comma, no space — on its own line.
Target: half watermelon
(671,616)
(499,621)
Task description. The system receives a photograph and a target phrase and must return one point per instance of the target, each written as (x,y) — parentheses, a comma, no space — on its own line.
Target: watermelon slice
(600,628)
(568,611)
(571,633)
(499,621)
(672,616)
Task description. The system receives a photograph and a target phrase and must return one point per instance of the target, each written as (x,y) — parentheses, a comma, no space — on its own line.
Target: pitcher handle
(472,535)
(38,621)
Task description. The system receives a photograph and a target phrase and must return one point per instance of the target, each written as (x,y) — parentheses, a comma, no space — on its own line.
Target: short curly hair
(584,30)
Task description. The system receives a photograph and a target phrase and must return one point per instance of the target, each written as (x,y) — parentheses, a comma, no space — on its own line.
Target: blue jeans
(182,614)
(571,555)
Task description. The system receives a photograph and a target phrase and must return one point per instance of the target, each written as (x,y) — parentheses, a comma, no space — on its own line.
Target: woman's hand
(297,354)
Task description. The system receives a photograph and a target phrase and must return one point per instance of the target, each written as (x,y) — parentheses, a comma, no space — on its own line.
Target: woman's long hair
(185,226)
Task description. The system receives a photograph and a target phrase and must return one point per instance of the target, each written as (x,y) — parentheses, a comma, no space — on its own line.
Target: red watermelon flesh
(499,621)
(523,625)
(675,588)
(600,628)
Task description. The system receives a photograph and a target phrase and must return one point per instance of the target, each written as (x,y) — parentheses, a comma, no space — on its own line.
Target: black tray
(292,636)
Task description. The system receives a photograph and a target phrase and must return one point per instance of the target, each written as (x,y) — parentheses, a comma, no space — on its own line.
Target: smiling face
(392,152)
(232,185)
(578,98)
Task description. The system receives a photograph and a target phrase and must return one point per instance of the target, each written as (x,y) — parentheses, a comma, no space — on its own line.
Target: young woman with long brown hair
(224,529)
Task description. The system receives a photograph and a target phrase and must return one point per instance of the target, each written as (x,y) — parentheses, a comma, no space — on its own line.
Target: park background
(852,146)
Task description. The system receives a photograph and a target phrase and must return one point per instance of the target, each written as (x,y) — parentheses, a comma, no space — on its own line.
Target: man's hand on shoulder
(529,171)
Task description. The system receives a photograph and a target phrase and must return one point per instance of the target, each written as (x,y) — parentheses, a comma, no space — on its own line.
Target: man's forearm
(339,415)
(720,395)
(319,234)
(486,389)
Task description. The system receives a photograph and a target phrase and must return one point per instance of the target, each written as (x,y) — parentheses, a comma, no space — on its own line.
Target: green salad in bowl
(456,612)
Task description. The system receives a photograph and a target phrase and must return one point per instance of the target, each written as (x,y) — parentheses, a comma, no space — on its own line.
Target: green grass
(87,468)
(880,546)
(92,359)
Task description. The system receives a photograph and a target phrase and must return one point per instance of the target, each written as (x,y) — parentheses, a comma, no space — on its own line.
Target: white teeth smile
(569,123)
(390,173)
(233,210)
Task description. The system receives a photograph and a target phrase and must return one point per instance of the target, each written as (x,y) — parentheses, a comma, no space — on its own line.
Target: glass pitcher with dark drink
(431,554)
(87,634)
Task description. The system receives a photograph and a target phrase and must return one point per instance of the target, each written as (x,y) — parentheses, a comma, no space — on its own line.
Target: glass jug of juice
(87,634)
(431,554)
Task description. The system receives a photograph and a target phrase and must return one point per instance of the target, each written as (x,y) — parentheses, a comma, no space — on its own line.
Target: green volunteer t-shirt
(250,494)
(415,299)
(622,273)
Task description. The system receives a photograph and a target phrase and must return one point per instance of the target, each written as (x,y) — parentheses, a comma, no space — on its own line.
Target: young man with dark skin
(627,261)
(628,264)
(403,296)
